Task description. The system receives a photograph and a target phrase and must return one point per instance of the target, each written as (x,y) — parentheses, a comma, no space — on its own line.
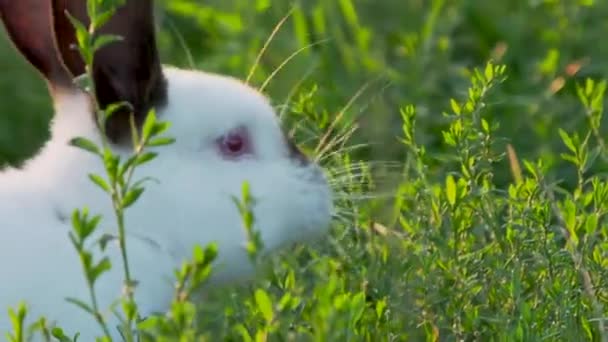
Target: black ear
(28,24)
(127,70)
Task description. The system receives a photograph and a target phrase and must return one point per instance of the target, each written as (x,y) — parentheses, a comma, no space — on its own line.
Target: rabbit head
(226,133)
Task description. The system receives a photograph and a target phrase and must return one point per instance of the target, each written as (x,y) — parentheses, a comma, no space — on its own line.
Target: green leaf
(17,319)
(489,72)
(126,166)
(100,182)
(567,140)
(162,141)
(102,18)
(149,323)
(114,107)
(262,5)
(88,226)
(132,197)
(261,335)
(140,182)
(485,126)
(82,33)
(455,107)
(59,334)
(103,266)
(198,254)
(111,163)
(243,332)
(85,144)
(450,190)
(569,158)
(357,307)
(92,9)
(211,252)
(145,157)
(161,127)
(77,223)
(380,307)
(284,301)
(591,224)
(349,12)
(83,38)
(104,40)
(81,304)
(264,305)
(149,124)
(104,240)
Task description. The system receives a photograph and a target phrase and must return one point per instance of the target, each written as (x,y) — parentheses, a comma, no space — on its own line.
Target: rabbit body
(192,202)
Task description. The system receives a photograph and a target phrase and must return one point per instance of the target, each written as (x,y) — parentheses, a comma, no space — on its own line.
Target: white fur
(192,204)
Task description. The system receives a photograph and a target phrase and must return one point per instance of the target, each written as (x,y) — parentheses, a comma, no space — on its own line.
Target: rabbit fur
(192,202)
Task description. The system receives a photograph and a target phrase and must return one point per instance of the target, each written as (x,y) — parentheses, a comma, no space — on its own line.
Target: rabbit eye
(235,143)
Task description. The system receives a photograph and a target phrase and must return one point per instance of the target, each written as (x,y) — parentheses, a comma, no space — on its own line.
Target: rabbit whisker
(343,169)
(340,151)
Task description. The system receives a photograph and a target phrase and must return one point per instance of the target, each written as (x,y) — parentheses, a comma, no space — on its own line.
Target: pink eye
(235,143)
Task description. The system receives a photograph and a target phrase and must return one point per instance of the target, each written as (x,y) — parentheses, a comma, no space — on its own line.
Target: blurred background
(381,54)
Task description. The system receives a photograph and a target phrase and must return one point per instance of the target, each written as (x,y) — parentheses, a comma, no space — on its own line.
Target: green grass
(443,234)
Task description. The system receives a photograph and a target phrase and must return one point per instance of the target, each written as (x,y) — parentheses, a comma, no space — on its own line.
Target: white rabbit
(226,132)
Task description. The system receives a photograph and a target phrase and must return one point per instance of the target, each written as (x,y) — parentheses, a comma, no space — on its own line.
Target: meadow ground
(467,149)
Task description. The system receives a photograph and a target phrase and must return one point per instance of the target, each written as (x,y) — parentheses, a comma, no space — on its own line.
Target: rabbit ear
(127,70)
(28,24)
